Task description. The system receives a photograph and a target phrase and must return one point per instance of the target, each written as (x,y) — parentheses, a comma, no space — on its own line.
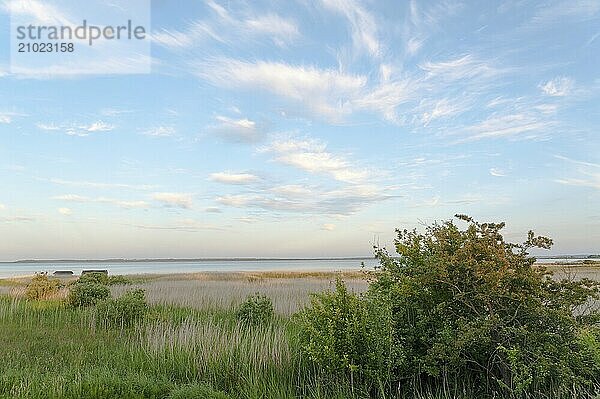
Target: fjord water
(157,267)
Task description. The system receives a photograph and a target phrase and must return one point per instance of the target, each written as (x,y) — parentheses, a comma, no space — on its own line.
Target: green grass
(48,350)
(189,346)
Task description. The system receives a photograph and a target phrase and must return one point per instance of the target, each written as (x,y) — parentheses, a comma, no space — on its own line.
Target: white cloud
(236,130)
(248,219)
(312,156)
(72,198)
(238,200)
(103,200)
(18,218)
(497,172)
(281,30)
(298,199)
(44,14)
(7,117)
(465,67)
(160,131)
(520,124)
(233,178)
(184,225)
(442,108)
(65,211)
(80,130)
(324,92)
(328,226)
(177,200)
(231,28)
(558,87)
(2,207)
(100,185)
(588,173)
(362,24)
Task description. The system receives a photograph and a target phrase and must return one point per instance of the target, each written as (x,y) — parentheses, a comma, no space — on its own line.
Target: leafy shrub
(41,287)
(118,280)
(459,309)
(256,309)
(87,294)
(123,311)
(94,277)
(197,391)
(344,334)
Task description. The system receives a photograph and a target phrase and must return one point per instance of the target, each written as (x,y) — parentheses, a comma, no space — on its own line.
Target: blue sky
(307,128)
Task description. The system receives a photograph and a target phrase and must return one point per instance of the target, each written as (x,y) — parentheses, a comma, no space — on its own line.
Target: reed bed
(288,294)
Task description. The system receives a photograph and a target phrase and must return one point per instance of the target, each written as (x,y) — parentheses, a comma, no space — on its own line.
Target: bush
(94,277)
(344,334)
(87,294)
(256,309)
(197,391)
(41,287)
(123,311)
(118,280)
(457,309)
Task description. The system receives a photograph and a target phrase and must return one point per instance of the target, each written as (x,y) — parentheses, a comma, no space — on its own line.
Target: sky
(305,129)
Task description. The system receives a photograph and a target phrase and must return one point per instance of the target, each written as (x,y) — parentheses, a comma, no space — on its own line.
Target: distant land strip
(244,259)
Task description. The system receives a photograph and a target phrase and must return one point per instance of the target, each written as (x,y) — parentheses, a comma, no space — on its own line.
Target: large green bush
(42,287)
(123,311)
(87,294)
(460,309)
(256,309)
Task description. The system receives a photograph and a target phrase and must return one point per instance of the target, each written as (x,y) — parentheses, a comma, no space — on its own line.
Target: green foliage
(94,277)
(345,335)
(87,294)
(41,287)
(197,391)
(118,280)
(459,309)
(256,309)
(123,311)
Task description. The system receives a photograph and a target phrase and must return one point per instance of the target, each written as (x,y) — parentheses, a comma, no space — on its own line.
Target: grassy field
(190,345)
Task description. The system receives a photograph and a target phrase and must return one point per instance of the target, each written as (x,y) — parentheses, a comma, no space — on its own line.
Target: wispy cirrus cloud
(312,156)
(81,130)
(322,91)
(236,130)
(315,200)
(103,200)
(101,185)
(174,200)
(160,131)
(233,178)
(587,173)
(231,27)
(558,87)
(181,225)
(7,117)
(518,125)
(363,25)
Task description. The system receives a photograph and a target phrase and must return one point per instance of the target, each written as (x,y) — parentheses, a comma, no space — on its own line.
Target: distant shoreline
(183,260)
(247,259)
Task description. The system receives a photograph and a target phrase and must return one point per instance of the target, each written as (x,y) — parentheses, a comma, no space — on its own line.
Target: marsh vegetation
(455,313)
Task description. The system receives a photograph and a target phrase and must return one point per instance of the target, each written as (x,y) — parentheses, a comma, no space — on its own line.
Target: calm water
(26,269)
